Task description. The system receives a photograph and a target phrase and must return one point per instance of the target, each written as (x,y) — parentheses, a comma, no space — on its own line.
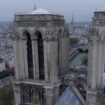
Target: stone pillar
(91,97)
(103,59)
(17,94)
(51,61)
(51,95)
(46,62)
(94,65)
(100,65)
(89,64)
(92,73)
(24,47)
(54,62)
(19,60)
(34,93)
(36,96)
(63,54)
(16,60)
(35,58)
(56,94)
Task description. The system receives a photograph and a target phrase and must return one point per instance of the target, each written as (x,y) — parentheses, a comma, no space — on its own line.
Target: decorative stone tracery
(96,36)
(52,50)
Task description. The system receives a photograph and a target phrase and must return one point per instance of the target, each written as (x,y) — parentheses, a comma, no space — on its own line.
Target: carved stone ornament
(96,36)
(16,36)
(50,38)
(50,35)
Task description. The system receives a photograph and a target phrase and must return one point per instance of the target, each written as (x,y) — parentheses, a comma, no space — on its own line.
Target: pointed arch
(27,36)
(23,33)
(38,30)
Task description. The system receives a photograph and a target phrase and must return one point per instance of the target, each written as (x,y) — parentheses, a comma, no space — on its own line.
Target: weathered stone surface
(96,59)
(55,48)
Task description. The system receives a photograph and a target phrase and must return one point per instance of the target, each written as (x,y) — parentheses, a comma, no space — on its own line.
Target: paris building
(41,57)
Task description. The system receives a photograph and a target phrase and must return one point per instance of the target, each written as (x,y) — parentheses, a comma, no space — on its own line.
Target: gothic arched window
(40,56)
(29,55)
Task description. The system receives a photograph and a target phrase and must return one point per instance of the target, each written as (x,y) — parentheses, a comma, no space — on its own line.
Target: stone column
(51,94)
(25,64)
(63,54)
(35,58)
(34,93)
(103,58)
(89,64)
(92,73)
(94,65)
(16,60)
(46,61)
(100,65)
(56,62)
(19,60)
(17,94)
(37,96)
(91,97)
(56,94)
(53,61)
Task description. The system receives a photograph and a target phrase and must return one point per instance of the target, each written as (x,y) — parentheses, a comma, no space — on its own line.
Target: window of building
(40,56)
(29,55)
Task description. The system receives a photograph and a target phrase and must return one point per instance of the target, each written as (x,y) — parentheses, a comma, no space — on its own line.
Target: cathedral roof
(71,96)
(40,11)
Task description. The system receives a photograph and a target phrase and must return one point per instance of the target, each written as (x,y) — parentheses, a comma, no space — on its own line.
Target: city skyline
(82,10)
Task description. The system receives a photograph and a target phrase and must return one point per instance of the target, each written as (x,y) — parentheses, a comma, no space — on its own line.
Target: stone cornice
(39,24)
(96,37)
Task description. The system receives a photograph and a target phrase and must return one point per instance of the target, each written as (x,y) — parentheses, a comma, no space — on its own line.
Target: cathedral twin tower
(41,48)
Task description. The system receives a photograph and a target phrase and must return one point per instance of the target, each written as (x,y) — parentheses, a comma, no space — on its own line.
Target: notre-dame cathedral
(41,51)
(41,58)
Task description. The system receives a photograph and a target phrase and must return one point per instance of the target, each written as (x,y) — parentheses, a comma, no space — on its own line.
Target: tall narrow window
(29,56)
(40,56)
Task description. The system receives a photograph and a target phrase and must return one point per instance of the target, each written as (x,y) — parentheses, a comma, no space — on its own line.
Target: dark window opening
(29,56)
(41,97)
(41,57)
(27,96)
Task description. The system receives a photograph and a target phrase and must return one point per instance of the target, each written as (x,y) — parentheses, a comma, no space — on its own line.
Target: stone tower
(41,48)
(96,60)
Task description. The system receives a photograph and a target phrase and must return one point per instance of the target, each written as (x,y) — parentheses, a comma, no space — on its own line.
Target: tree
(6,95)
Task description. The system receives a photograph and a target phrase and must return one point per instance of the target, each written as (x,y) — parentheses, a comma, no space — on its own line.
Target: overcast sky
(81,9)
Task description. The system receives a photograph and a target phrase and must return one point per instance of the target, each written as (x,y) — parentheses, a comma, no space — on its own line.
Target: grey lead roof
(69,97)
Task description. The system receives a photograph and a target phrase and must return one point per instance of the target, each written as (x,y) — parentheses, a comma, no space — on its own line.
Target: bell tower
(95,95)
(41,49)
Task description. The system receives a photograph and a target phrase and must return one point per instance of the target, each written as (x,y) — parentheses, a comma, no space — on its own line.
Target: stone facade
(29,91)
(96,59)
